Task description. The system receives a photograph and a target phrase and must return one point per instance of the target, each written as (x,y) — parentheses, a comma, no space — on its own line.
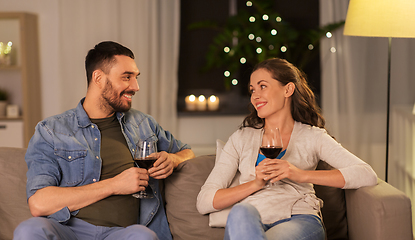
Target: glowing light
(234,82)
(201,98)
(212,98)
(251,36)
(310,46)
(226,49)
(283,49)
(329,35)
(333,49)
(258,39)
(242,60)
(265,17)
(249,3)
(227,73)
(259,50)
(274,32)
(192,98)
(252,19)
(278,19)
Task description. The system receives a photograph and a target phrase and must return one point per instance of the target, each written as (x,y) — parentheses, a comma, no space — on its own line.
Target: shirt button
(94,180)
(69,157)
(97,157)
(96,139)
(92,126)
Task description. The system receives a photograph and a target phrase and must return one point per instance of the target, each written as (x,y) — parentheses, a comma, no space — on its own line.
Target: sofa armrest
(378,212)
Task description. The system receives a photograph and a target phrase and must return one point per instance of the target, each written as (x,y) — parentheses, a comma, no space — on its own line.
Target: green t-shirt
(116,210)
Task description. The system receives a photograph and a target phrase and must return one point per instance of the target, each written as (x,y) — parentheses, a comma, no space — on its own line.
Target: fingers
(163,167)
(275,170)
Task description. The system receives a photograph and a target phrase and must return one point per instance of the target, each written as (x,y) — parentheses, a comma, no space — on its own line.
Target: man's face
(120,84)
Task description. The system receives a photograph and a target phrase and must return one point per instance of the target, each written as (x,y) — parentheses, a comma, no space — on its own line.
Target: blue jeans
(45,228)
(244,222)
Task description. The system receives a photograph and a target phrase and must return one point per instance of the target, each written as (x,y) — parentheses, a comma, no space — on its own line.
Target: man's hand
(130,181)
(164,165)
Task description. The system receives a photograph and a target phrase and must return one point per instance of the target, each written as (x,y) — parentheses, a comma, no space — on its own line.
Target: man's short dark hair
(102,57)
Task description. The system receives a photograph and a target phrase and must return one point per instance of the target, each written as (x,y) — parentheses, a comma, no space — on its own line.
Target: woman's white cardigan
(307,146)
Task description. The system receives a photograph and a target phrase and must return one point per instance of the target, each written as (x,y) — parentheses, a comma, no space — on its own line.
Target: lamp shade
(381,18)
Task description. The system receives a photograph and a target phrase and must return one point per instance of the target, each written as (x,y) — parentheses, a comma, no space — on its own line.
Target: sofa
(378,212)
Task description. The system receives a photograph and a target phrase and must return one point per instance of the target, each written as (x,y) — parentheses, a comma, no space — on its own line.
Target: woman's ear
(289,89)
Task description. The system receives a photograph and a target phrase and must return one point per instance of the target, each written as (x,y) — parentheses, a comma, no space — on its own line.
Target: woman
(275,198)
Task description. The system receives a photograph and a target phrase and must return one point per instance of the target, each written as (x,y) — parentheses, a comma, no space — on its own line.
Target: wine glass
(143,160)
(271,142)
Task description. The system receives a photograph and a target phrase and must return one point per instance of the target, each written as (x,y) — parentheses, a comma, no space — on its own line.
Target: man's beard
(113,100)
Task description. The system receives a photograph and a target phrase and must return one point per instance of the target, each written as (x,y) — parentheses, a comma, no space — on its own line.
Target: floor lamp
(382,18)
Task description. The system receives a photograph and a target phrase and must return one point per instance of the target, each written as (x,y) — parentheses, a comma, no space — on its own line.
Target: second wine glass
(271,142)
(143,160)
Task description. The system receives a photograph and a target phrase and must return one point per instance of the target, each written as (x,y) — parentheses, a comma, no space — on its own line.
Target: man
(81,174)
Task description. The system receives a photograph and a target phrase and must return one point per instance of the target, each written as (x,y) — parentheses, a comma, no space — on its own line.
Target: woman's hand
(274,170)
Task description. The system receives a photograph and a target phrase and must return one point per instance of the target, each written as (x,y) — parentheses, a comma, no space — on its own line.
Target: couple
(81,173)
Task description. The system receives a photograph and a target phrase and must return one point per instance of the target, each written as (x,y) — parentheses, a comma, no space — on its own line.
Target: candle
(201,103)
(213,103)
(190,102)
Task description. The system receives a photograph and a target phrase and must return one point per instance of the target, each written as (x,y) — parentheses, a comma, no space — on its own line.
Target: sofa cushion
(13,205)
(334,208)
(181,190)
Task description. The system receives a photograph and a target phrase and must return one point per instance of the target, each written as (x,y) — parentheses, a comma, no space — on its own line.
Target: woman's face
(268,95)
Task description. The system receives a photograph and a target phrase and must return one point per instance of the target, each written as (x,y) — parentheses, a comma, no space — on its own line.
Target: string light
(329,35)
(278,19)
(226,49)
(258,39)
(333,49)
(265,17)
(259,50)
(310,46)
(242,60)
(227,73)
(283,49)
(251,36)
(274,32)
(249,3)
(271,47)
(252,19)
(234,81)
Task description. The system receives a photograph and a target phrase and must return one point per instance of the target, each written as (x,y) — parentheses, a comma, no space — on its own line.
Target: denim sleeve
(166,141)
(43,171)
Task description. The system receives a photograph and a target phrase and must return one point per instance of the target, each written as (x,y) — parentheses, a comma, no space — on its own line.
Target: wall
(47,11)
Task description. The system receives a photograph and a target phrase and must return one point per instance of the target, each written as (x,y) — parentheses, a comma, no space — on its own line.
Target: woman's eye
(262,86)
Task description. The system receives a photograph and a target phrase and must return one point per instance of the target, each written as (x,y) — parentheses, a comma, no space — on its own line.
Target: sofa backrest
(13,205)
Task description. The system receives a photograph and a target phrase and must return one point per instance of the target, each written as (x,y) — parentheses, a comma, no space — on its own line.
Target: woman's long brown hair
(304,107)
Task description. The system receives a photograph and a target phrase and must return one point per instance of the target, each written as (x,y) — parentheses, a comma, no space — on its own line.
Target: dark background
(194,45)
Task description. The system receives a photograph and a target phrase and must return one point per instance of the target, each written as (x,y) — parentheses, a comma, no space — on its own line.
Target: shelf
(10,68)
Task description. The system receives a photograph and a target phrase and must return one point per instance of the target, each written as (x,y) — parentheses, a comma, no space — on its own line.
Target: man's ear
(289,89)
(98,77)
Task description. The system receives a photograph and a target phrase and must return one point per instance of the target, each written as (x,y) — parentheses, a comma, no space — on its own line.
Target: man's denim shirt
(65,151)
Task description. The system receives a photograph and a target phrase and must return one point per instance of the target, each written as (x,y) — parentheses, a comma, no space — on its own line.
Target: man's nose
(134,86)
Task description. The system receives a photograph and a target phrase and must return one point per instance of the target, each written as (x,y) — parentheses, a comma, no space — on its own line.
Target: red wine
(146,162)
(270,151)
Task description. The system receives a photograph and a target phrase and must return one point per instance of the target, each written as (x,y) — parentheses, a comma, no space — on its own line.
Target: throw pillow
(334,208)
(181,190)
(218,219)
